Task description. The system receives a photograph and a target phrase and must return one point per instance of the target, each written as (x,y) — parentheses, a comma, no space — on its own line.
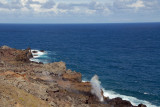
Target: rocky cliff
(29,84)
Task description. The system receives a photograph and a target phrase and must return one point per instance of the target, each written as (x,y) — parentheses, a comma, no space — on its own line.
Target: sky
(79,11)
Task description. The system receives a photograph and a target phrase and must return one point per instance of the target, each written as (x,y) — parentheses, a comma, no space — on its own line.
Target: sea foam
(133,100)
(107,93)
(39,56)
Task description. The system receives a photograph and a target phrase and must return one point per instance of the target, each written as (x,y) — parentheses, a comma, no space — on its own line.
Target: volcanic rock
(72,76)
(141,105)
(11,55)
(118,102)
(57,68)
(34,51)
(28,84)
(5,47)
(41,50)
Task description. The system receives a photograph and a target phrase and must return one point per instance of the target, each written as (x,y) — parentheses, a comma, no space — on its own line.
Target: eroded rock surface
(10,55)
(28,84)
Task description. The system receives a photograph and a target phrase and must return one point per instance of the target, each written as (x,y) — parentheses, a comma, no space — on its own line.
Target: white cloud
(92,8)
(137,4)
(35,7)
(23,2)
(85,8)
(48,4)
(40,1)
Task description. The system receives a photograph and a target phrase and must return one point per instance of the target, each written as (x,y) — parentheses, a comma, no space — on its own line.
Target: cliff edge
(29,84)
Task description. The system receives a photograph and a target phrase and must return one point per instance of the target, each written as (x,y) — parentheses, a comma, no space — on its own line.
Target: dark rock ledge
(29,84)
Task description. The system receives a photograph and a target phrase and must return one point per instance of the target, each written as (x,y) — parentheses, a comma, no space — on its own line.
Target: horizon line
(86,23)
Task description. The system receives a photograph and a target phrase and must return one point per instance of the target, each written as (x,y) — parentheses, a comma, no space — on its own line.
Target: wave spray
(96,87)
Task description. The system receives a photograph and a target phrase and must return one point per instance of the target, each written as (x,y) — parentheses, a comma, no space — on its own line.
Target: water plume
(96,87)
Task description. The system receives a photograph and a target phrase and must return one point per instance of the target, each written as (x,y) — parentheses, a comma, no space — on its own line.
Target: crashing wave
(39,56)
(133,100)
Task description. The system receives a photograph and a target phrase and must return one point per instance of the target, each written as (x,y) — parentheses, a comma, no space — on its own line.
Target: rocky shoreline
(29,84)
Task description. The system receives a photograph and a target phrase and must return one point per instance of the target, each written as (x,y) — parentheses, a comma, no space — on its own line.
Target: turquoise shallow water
(124,56)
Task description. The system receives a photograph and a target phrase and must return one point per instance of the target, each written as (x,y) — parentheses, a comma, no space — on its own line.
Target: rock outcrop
(29,84)
(11,55)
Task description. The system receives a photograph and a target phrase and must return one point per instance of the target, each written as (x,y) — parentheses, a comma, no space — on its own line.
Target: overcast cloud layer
(78,11)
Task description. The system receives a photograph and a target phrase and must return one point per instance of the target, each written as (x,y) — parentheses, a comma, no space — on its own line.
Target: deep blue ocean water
(126,57)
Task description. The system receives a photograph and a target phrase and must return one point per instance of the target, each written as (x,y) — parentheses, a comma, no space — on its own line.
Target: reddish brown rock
(5,47)
(49,84)
(73,76)
(8,54)
(57,68)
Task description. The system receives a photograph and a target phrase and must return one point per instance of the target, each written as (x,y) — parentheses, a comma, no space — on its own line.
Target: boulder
(118,102)
(34,51)
(141,105)
(41,50)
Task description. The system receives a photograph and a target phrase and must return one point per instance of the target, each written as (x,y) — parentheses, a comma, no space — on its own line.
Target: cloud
(128,4)
(137,4)
(11,5)
(40,1)
(100,7)
(152,5)
(48,5)
(86,8)
(65,6)
(91,7)
(32,2)
(73,8)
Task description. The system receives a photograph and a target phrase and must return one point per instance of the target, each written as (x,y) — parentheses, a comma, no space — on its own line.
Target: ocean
(126,57)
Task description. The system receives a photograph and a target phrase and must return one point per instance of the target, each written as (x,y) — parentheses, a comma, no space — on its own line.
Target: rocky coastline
(25,83)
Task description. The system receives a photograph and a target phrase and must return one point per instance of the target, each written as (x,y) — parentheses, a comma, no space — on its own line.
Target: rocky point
(29,84)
